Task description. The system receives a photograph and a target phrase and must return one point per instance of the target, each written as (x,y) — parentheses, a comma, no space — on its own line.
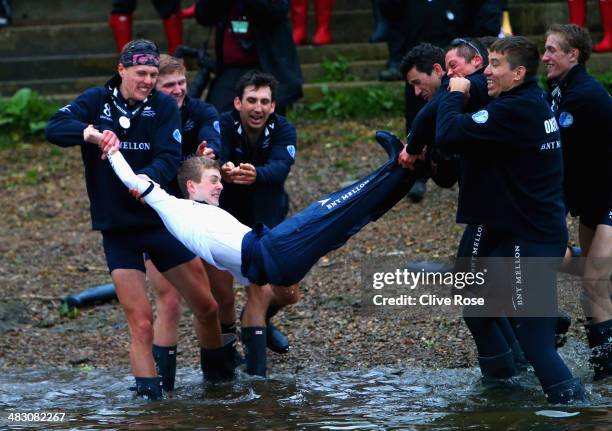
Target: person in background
(583,110)
(120,21)
(381,26)
(578,13)
(299,18)
(251,34)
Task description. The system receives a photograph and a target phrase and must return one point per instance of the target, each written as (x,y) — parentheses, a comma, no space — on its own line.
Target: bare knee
(286,295)
(141,329)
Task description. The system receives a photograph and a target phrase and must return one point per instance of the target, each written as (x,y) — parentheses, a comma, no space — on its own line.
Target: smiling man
(258,149)
(583,110)
(145,124)
(512,186)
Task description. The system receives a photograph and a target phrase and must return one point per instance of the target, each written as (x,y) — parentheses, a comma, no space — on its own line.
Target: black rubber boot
(149,387)
(497,368)
(600,341)
(564,322)
(165,362)
(275,339)
(520,361)
(390,143)
(231,329)
(219,365)
(254,341)
(566,392)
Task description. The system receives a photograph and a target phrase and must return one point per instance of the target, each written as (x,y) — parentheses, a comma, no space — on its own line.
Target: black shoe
(219,364)
(563,323)
(417,191)
(390,143)
(276,340)
(391,74)
(566,392)
(600,341)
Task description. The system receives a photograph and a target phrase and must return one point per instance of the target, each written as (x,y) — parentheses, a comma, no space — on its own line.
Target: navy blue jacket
(513,163)
(423,130)
(265,201)
(584,112)
(200,122)
(151,145)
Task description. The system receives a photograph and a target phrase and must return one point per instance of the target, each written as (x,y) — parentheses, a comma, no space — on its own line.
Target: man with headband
(146,125)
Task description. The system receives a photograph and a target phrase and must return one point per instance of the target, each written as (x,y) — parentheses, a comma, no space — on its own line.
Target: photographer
(251,34)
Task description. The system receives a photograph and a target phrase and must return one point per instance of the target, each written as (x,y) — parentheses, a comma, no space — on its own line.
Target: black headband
(140,53)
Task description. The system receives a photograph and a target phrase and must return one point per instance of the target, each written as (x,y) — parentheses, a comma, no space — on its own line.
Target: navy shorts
(124,248)
(592,218)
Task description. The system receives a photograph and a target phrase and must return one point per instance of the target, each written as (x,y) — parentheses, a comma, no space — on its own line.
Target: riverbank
(49,251)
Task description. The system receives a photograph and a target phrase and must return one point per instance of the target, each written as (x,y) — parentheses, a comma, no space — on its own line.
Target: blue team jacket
(583,109)
(151,145)
(513,163)
(265,201)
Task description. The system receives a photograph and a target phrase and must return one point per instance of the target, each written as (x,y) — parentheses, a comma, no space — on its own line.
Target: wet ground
(379,398)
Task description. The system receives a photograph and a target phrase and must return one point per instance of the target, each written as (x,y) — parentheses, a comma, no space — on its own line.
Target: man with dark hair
(251,34)
(423,69)
(146,125)
(467,58)
(258,150)
(511,185)
(583,111)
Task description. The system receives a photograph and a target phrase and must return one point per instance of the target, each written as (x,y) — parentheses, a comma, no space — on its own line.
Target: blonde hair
(192,169)
(169,65)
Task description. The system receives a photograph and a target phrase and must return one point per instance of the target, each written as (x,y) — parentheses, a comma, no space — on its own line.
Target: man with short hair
(511,185)
(199,126)
(146,125)
(464,58)
(257,152)
(583,110)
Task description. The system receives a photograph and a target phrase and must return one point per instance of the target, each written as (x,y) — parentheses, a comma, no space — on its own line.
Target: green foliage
(355,102)
(337,70)
(68,312)
(24,116)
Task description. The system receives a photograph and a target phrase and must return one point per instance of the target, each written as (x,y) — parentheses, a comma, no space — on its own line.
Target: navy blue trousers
(283,255)
(519,296)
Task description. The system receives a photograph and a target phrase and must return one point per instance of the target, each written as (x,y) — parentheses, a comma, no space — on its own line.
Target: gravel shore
(48,251)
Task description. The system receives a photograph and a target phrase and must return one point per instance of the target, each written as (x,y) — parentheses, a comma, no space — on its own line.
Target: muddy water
(381,398)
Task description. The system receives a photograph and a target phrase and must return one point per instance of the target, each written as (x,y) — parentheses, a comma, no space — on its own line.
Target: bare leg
(168,301)
(130,288)
(597,269)
(192,282)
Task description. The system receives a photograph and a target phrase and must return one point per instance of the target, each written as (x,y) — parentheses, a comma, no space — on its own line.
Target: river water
(381,398)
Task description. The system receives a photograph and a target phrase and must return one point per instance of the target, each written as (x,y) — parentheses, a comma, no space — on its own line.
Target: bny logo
(480,117)
(107,110)
(148,112)
(566,119)
(177,136)
(291,151)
